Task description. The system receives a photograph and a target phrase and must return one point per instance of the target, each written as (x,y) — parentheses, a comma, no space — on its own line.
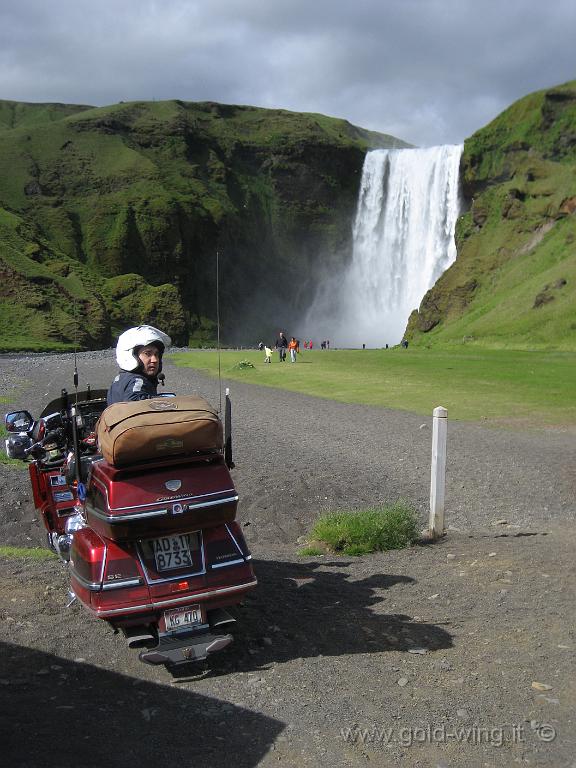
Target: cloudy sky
(427,71)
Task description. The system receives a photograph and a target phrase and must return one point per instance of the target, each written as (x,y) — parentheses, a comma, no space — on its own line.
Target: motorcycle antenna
(75,347)
(218,326)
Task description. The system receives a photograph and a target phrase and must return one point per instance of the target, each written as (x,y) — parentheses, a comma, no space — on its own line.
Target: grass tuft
(241,365)
(31,553)
(377,529)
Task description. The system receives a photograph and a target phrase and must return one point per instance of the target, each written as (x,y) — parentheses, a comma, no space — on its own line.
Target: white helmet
(138,337)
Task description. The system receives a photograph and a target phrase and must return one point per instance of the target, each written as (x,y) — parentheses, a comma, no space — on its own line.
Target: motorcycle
(152,547)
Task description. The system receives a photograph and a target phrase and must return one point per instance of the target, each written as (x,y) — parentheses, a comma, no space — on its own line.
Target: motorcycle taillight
(87,557)
(121,566)
(221,547)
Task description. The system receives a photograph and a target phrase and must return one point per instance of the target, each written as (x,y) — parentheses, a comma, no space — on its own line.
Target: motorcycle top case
(171,496)
(144,430)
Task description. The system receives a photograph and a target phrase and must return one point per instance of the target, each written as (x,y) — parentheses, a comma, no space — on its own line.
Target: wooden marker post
(438,472)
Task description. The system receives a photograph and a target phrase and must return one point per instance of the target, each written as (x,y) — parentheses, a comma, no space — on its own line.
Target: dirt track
(417,644)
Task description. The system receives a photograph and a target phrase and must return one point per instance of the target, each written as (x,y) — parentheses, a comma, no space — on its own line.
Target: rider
(139,354)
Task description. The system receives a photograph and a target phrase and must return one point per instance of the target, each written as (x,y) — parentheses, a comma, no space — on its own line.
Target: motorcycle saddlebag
(141,430)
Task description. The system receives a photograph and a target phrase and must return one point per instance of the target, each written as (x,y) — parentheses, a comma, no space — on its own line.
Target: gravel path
(448,636)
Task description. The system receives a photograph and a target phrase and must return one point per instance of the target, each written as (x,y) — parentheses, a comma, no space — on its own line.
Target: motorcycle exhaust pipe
(139,637)
(218,618)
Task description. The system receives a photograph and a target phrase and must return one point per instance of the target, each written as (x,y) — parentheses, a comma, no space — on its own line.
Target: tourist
(281,345)
(293,348)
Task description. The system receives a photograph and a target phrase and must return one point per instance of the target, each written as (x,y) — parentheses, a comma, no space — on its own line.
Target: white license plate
(182,617)
(172,552)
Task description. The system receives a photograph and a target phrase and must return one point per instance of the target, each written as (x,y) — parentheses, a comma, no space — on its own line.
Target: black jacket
(130,385)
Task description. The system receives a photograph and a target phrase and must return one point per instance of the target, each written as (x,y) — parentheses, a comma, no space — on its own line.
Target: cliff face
(513,282)
(113,216)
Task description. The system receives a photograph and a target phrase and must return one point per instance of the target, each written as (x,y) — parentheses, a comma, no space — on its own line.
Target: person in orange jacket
(292,348)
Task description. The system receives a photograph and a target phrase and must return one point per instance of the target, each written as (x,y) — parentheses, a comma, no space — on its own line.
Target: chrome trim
(135,516)
(166,603)
(177,497)
(91,585)
(104,561)
(118,584)
(232,562)
(238,547)
(118,519)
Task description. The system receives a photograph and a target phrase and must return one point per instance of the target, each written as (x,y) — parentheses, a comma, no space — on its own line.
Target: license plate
(172,552)
(182,617)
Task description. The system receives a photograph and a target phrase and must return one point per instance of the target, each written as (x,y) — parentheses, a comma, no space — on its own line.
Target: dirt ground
(454,654)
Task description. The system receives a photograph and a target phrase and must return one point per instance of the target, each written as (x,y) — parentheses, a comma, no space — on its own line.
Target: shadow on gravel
(58,713)
(312,609)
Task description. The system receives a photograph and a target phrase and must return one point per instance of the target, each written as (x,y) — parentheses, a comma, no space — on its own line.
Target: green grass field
(527,389)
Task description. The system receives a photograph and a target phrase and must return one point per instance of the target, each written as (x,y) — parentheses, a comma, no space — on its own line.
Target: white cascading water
(403,240)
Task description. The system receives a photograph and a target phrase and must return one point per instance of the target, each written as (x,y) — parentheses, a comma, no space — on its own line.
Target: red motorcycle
(153,547)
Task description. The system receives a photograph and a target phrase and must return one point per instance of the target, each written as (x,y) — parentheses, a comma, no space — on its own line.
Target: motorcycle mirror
(18,421)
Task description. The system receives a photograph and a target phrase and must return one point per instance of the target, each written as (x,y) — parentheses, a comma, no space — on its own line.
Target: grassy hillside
(114,215)
(513,283)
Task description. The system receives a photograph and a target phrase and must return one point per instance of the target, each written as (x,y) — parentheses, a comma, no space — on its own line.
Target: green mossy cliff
(514,280)
(113,216)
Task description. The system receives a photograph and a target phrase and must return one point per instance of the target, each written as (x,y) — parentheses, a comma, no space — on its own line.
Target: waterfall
(403,240)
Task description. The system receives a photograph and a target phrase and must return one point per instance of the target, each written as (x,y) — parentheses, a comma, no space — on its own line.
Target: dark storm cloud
(428,71)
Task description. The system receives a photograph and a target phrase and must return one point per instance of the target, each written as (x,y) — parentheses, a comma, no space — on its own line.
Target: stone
(541,686)
(402,682)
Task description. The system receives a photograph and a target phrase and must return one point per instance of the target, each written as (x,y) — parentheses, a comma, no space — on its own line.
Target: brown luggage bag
(141,430)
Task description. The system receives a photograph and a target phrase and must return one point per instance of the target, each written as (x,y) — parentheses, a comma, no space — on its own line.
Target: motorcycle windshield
(62,402)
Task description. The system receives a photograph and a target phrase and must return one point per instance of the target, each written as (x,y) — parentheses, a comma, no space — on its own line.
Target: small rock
(402,682)
(501,522)
(433,597)
(421,651)
(492,554)
(450,557)
(541,686)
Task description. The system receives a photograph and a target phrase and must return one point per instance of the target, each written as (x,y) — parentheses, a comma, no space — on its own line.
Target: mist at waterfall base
(403,240)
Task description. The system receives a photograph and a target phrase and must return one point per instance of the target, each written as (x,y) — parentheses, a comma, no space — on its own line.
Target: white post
(438,471)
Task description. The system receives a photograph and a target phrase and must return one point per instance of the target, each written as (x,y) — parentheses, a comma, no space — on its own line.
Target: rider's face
(150,358)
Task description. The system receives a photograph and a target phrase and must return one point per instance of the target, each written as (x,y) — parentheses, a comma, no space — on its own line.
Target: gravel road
(428,656)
